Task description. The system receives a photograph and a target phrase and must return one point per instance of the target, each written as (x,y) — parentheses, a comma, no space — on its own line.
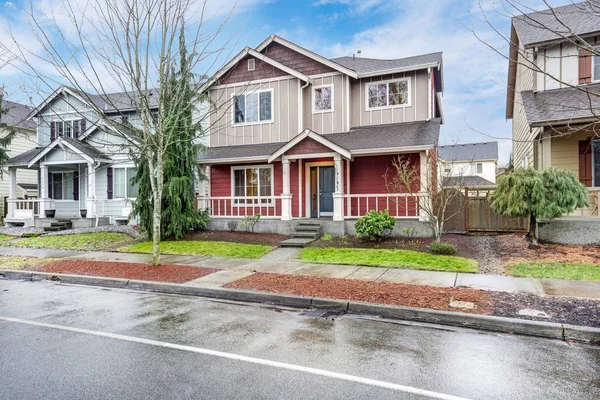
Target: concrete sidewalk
(281,261)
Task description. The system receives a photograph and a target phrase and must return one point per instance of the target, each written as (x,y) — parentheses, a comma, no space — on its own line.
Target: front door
(322,186)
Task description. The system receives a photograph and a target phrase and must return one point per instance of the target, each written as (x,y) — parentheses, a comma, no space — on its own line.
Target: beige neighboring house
(26,180)
(553,93)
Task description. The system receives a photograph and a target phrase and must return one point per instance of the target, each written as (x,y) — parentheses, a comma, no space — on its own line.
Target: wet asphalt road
(40,361)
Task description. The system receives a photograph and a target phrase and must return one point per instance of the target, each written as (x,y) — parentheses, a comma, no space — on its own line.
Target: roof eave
(398,70)
(569,121)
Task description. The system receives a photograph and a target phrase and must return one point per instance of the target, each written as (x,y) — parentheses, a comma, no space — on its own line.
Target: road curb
(474,321)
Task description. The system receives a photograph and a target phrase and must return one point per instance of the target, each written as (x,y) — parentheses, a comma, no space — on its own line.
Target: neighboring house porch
(334,177)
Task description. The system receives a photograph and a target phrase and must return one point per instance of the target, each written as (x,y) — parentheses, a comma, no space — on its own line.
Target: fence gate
(477,214)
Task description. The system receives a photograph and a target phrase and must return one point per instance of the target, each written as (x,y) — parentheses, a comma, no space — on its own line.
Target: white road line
(236,357)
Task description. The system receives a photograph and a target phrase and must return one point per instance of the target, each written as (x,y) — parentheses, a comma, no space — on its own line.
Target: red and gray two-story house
(294,135)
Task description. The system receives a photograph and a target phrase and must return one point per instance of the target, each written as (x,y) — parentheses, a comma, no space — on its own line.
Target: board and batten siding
(417,111)
(284,124)
(23,141)
(523,136)
(327,121)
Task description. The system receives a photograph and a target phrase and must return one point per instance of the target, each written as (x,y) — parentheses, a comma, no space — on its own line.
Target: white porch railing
(399,205)
(21,204)
(227,206)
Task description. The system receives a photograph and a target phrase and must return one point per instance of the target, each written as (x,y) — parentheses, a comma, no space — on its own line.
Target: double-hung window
(476,168)
(596,67)
(70,128)
(252,185)
(62,186)
(323,98)
(256,107)
(387,94)
(122,186)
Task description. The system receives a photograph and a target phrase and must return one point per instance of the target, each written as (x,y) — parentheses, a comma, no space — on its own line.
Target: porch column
(90,198)
(286,196)
(44,200)
(338,195)
(204,203)
(12,191)
(426,183)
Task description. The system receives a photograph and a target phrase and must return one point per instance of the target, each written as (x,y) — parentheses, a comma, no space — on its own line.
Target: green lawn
(556,270)
(202,248)
(388,258)
(6,237)
(77,241)
(12,262)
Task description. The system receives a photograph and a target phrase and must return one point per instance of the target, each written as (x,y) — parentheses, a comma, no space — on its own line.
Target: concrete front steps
(60,225)
(304,233)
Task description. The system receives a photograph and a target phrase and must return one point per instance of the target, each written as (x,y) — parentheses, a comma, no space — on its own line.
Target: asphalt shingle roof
(121,101)
(550,25)
(561,104)
(86,148)
(16,115)
(24,158)
(469,152)
(420,133)
(468,180)
(368,65)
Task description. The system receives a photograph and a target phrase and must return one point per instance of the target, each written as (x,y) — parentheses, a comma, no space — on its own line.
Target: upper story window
(388,94)
(251,64)
(596,67)
(253,108)
(476,168)
(323,98)
(68,128)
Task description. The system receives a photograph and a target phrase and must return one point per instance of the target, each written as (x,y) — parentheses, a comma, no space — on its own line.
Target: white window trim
(126,167)
(62,121)
(407,104)
(594,58)
(314,110)
(251,64)
(270,121)
(244,167)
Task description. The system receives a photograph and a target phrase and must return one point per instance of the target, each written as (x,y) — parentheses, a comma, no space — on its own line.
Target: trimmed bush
(438,247)
(376,225)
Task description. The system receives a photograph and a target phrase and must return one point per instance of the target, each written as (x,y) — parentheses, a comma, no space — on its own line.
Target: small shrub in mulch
(374,292)
(146,272)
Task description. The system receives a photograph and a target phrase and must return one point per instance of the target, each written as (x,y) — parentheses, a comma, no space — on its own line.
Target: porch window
(596,162)
(253,107)
(122,186)
(62,186)
(323,98)
(252,182)
(394,93)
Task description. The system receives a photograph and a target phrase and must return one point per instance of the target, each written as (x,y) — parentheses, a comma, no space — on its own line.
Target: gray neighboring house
(25,181)
(469,164)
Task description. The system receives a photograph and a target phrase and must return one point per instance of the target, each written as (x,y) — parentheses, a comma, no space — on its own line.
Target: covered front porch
(310,177)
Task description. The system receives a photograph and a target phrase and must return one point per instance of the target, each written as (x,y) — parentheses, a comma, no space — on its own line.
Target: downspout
(301,106)
(96,197)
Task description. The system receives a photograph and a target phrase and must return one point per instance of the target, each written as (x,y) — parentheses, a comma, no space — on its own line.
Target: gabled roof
(86,151)
(23,158)
(248,51)
(562,105)
(369,66)
(558,24)
(317,57)
(469,152)
(108,103)
(362,140)
(324,140)
(15,114)
(469,181)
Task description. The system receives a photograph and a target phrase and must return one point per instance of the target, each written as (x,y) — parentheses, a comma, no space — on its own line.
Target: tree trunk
(532,235)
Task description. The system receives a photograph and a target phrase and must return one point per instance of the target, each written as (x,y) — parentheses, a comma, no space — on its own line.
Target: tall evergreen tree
(7,133)
(179,215)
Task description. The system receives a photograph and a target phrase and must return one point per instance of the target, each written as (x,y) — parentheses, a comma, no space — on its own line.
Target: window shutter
(585,162)
(50,186)
(109,183)
(82,127)
(76,185)
(585,66)
(52,130)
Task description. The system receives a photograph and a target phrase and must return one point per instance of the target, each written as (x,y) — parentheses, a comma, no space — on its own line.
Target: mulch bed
(566,310)
(267,239)
(146,272)
(513,249)
(374,292)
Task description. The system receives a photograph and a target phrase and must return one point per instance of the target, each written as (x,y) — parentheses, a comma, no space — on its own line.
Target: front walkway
(281,261)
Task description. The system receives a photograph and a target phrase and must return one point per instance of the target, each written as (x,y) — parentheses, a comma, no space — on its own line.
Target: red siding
(309,146)
(240,73)
(295,60)
(367,176)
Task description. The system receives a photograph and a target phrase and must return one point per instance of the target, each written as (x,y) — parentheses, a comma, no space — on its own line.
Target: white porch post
(12,190)
(204,191)
(425,180)
(286,196)
(338,195)
(90,198)
(43,191)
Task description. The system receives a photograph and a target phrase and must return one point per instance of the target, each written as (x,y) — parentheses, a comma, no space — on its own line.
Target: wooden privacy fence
(473,213)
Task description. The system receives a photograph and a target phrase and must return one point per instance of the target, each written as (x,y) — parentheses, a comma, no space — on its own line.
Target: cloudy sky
(475,76)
